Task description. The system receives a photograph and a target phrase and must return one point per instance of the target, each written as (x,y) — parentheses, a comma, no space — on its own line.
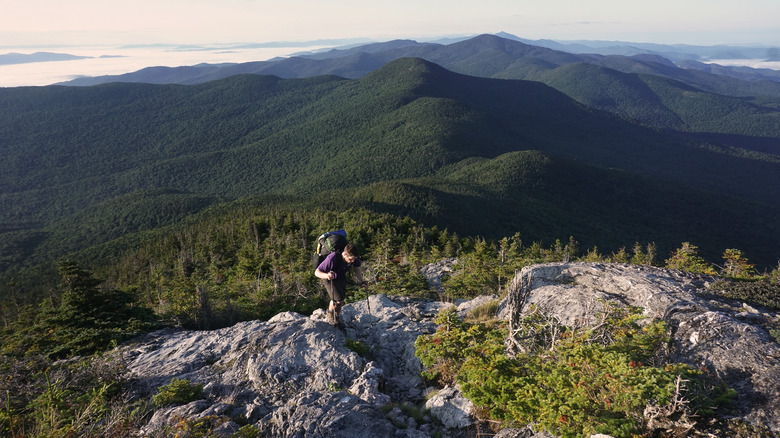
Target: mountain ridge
(404,48)
(253,134)
(494,56)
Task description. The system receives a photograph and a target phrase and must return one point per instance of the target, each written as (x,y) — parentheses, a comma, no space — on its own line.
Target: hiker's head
(350,253)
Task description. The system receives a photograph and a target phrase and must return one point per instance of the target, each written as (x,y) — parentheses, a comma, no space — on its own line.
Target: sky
(80,22)
(56,25)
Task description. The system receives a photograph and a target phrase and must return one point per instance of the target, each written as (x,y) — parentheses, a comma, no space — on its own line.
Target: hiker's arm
(323,275)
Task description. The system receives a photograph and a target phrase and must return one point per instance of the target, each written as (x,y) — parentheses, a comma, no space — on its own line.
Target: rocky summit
(299,376)
(296,376)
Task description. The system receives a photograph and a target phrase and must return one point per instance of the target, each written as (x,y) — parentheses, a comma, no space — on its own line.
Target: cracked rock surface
(727,339)
(295,376)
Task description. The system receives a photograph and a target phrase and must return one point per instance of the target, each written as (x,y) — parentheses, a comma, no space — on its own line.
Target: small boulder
(451,408)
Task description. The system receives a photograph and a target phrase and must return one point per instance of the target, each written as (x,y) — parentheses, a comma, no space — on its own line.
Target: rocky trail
(296,376)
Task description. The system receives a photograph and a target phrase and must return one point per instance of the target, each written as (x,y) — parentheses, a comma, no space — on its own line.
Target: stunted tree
(81,298)
(88,319)
(641,257)
(686,258)
(736,265)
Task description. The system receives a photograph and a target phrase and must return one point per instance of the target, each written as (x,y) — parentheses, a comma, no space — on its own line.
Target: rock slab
(294,376)
(724,338)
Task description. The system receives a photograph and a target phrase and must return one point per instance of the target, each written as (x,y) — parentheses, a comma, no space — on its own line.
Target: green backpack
(328,243)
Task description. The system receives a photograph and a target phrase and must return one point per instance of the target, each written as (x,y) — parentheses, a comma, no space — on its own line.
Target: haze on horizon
(89,22)
(91,26)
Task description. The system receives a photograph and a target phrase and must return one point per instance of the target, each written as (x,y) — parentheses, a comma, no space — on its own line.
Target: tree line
(251,262)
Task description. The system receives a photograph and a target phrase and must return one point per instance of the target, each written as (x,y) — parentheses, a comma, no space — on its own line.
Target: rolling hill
(410,136)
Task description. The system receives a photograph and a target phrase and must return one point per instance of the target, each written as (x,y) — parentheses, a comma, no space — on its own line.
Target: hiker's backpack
(326,244)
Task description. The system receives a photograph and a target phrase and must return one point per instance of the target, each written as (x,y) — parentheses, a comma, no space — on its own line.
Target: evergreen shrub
(585,381)
(763,292)
(179,391)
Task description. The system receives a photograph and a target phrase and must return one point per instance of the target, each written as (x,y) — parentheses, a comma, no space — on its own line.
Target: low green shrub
(247,431)
(584,381)
(414,411)
(763,292)
(203,427)
(359,347)
(179,391)
(79,397)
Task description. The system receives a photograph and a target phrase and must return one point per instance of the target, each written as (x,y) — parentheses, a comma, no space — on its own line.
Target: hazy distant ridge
(21,58)
(356,60)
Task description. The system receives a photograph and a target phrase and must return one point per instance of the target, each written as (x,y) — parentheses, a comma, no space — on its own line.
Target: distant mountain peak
(406,69)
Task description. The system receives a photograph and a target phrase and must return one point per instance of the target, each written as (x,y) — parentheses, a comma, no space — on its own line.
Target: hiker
(333,272)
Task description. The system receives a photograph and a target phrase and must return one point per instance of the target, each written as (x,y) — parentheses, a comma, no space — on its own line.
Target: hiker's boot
(337,313)
(331,316)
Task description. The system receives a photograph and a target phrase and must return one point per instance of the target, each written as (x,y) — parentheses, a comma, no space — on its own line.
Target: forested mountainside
(69,148)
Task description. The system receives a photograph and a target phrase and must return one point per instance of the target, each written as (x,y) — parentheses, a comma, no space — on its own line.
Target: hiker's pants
(337,289)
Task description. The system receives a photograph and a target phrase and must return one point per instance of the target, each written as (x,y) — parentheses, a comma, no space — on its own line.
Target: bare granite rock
(314,414)
(705,332)
(434,273)
(294,375)
(451,408)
